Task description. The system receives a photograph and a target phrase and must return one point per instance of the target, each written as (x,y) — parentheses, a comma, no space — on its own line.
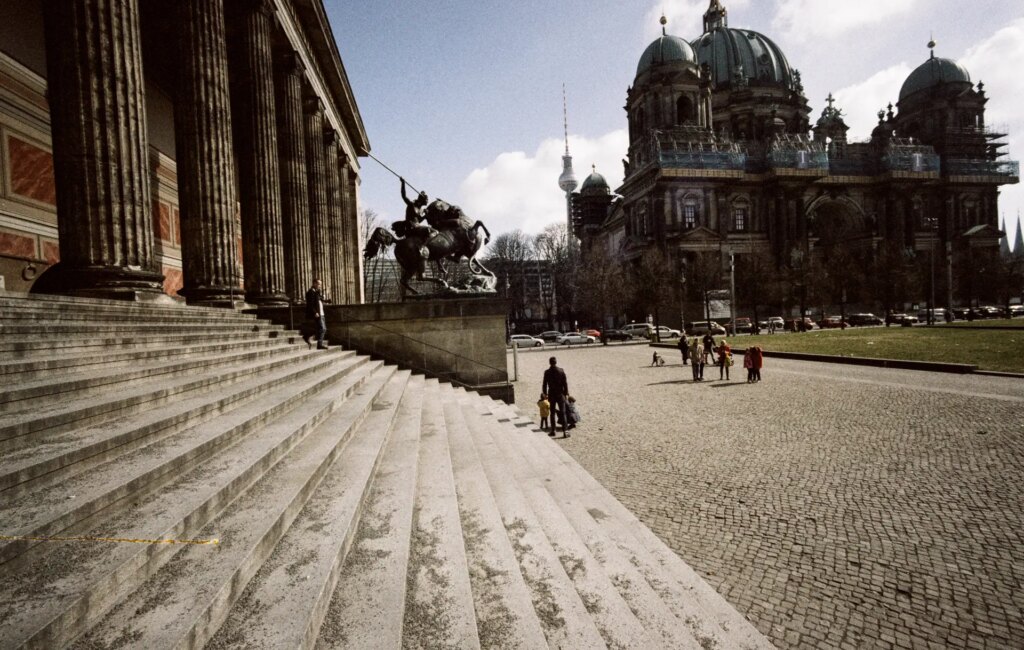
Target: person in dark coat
(315,313)
(556,386)
(684,347)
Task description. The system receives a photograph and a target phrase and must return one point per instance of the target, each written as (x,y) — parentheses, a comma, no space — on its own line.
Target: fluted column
(347,245)
(336,210)
(291,145)
(319,212)
(206,173)
(100,151)
(354,251)
(259,172)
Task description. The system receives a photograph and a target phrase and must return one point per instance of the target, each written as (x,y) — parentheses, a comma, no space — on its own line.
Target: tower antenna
(565,120)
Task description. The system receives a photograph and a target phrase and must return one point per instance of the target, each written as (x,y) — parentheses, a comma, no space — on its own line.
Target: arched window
(641,122)
(689,214)
(684,110)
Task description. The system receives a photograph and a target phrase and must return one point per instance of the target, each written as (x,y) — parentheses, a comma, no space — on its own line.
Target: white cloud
(996,61)
(860,102)
(833,17)
(521,191)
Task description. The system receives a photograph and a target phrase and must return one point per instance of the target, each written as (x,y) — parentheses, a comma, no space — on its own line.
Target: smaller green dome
(934,72)
(595,184)
(666,49)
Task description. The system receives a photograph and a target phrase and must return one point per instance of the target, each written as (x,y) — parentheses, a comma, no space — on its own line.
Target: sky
(464,98)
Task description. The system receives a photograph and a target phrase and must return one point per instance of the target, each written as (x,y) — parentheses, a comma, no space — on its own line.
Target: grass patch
(1000,350)
(1017,323)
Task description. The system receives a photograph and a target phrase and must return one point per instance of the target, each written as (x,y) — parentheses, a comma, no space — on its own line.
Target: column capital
(313,106)
(291,63)
(265,7)
(331,137)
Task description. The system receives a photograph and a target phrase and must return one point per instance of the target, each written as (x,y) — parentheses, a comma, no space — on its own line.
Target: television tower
(567,181)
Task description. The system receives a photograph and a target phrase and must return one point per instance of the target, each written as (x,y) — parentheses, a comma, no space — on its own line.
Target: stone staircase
(353,504)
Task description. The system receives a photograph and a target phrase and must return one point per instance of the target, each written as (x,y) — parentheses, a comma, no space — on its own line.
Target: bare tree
(651,283)
(555,246)
(507,256)
(368,222)
(703,274)
(602,288)
(757,281)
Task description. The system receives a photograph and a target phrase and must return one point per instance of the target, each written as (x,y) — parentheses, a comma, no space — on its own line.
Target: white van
(638,330)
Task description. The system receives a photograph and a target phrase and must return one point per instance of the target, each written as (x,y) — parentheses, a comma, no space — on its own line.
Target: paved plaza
(836,506)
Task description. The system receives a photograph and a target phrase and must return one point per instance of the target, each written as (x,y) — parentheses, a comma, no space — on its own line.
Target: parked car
(938,315)
(904,319)
(832,322)
(575,337)
(743,326)
(592,332)
(526,341)
(639,330)
(1016,311)
(702,327)
(860,320)
(989,311)
(961,312)
(550,336)
(793,324)
(776,322)
(666,333)
(617,335)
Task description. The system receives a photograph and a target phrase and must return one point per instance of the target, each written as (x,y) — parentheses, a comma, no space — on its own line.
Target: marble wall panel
(31,169)
(17,245)
(162,226)
(176,226)
(51,251)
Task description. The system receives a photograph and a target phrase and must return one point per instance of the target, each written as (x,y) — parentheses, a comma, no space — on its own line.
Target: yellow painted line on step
(197,542)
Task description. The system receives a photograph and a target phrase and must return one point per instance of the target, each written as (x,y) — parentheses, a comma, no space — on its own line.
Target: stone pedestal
(206,176)
(291,144)
(98,124)
(319,211)
(259,175)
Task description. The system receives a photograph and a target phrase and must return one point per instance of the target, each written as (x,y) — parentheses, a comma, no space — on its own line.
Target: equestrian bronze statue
(446,236)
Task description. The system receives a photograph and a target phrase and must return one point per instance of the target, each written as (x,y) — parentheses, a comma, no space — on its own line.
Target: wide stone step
(13,304)
(53,457)
(439,607)
(107,328)
(60,589)
(74,385)
(25,370)
(44,315)
(144,395)
(504,608)
(47,511)
(368,604)
(37,347)
(617,622)
(287,524)
(559,608)
(709,617)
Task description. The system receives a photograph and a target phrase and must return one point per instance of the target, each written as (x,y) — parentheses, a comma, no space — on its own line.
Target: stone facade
(175,157)
(723,158)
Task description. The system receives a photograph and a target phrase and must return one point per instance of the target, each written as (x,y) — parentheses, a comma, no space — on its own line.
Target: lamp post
(797,258)
(949,278)
(732,291)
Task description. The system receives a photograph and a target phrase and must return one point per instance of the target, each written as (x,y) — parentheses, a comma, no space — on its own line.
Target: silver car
(575,337)
(526,341)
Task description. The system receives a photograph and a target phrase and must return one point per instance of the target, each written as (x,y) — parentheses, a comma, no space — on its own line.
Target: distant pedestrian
(757,361)
(684,348)
(315,314)
(724,359)
(556,387)
(572,412)
(657,359)
(545,410)
(697,359)
(748,364)
(709,347)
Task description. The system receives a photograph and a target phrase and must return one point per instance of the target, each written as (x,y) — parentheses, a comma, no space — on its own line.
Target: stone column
(206,172)
(319,212)
(100,152)
(347,244)
(355,265)
(258,169)
(336,212)
(291,144)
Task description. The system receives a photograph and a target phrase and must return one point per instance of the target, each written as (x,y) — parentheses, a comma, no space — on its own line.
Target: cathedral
(725,160)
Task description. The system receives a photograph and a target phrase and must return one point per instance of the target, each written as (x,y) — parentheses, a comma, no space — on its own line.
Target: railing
(1007,168)
(797,159)
(703,159)
(431,370)
(910,161)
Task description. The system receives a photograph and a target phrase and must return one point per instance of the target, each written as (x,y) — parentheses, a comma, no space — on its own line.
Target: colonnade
(296,187)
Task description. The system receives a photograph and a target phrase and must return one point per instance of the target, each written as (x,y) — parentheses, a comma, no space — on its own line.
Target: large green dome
(743,54)
(595,184)
(936,72)
(666,49)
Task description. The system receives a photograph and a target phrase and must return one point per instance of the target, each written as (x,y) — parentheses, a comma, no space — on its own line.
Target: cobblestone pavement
(836,506)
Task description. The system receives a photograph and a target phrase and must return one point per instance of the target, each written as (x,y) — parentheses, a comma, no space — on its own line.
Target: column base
(221,297)
(268,299)
(110,283)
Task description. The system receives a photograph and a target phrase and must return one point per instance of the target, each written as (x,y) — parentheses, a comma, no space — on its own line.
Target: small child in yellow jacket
(545,410)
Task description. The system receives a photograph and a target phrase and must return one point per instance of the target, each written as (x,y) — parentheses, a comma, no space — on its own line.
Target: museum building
(200,149)
(723,158)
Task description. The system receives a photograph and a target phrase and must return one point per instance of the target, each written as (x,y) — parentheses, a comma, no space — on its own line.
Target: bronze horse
(450,237)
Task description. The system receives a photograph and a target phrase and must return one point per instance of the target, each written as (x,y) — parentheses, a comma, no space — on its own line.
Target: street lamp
(797,258)
(732,291)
